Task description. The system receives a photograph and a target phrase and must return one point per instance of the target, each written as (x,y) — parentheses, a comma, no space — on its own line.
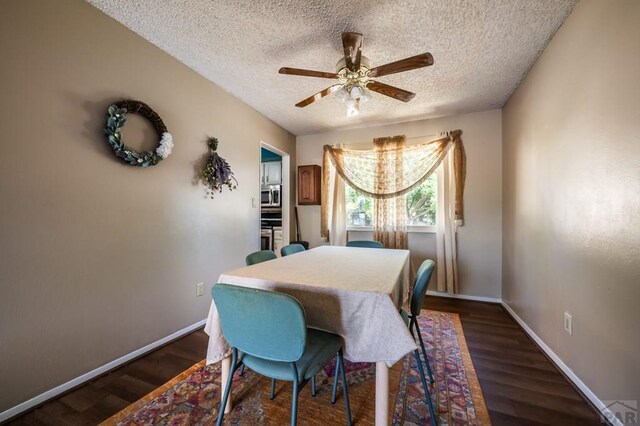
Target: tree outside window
(421,205)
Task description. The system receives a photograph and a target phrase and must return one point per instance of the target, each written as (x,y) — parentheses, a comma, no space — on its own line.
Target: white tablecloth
(352,292)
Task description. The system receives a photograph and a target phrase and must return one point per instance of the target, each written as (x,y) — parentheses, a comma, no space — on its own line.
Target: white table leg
(225,369)
(382,393)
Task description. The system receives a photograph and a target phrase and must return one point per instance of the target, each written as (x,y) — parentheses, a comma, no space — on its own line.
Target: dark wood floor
(100,399)
(520,385)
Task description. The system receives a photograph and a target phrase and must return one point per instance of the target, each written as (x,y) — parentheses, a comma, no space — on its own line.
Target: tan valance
(377,173)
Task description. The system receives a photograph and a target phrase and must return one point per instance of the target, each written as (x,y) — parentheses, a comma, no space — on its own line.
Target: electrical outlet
(568,323)
(199,289)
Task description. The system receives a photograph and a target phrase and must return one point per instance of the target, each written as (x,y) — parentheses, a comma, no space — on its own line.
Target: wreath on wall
(117,118)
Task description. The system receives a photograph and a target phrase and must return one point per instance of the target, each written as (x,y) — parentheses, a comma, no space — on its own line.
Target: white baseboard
(22,407)
(464,297)
(564,368)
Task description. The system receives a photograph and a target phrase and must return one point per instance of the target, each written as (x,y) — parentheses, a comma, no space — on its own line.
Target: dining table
(353,292)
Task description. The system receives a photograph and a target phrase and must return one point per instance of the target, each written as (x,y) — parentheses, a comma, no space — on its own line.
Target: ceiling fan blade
(352,43)
(407,64)
(393,92)
(318,96)
(307,73)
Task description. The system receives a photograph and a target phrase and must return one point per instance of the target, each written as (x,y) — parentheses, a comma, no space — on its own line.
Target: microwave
(270,196)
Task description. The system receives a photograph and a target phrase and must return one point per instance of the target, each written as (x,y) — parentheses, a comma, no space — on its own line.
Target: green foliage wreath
(117,118)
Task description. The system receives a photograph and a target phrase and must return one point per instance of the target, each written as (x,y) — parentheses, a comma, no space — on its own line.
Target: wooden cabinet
(309,181)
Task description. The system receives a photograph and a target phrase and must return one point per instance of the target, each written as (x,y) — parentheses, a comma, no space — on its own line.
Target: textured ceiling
(481,48)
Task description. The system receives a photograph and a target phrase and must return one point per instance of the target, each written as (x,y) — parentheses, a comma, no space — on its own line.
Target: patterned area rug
(193,397)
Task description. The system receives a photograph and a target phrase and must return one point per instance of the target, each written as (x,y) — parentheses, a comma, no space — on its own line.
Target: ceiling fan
(354,75)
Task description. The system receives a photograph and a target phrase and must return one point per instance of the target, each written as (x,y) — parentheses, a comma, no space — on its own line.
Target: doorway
(275,198)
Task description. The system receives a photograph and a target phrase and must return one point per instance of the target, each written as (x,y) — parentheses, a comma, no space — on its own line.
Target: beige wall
(479,241)
(571,196)
(99,258)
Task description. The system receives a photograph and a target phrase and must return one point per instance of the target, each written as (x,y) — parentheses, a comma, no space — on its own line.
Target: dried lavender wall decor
(217,172)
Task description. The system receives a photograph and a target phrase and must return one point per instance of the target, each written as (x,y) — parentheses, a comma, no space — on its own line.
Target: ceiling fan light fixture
(353,111)
(365,95)
(354,75)
(342,95)
(355,92)
(352,96)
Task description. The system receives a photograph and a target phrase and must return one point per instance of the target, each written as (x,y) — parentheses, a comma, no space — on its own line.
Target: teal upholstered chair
(260,256)
(365,243)
(252,259)
(267,332)
(423,277)
(291,249)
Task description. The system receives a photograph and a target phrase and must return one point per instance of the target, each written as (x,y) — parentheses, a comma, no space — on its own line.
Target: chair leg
(424,351)
(296,391)
(345,391)
(273,388)
(335,381)
(427,395)
(294,405)
(227,390)
(313,386)
(242,370)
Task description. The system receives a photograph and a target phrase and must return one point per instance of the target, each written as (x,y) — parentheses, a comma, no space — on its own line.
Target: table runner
(349,291)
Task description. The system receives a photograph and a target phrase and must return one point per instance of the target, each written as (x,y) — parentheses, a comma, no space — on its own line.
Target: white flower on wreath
(166,145)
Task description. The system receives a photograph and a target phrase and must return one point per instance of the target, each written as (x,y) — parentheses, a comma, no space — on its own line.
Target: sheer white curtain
(447,226)
(390,214)
(337,211)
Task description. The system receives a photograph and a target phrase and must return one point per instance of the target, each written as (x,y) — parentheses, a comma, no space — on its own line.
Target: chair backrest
(259,257)
(365,243)
(266,324)
(420,287)
(291,249)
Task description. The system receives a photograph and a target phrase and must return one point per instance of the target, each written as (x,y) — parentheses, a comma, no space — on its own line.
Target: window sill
(410,229)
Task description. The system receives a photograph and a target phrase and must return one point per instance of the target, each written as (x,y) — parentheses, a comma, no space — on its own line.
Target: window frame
(412,229)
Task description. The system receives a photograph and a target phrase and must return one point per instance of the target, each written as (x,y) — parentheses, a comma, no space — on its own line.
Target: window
(421,205)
